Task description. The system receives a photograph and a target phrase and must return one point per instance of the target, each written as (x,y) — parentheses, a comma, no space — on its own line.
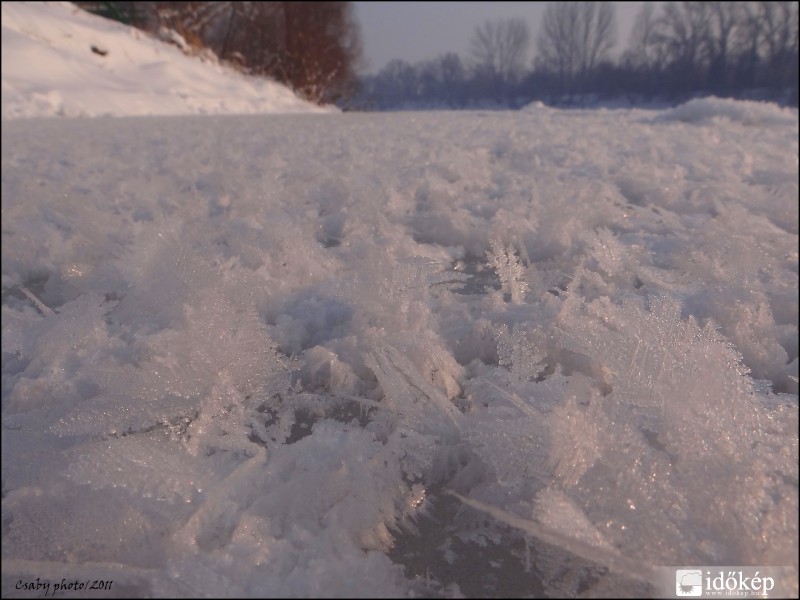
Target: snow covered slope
(526,354)
(49,69)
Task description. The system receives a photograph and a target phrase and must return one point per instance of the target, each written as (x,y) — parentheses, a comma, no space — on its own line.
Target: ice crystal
(510,270)
(518,353)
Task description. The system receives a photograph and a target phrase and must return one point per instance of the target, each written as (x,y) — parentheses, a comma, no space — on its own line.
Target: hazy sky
(416,31)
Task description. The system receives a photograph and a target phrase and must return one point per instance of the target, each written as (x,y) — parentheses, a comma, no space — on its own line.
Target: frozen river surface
(481,353)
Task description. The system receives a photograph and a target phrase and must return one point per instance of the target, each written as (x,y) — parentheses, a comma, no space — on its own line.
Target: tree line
(676,50)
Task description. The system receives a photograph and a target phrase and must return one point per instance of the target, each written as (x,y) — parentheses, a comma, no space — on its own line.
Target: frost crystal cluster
(341,355)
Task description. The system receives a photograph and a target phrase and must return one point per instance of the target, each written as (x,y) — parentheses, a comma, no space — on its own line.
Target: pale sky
(416,31)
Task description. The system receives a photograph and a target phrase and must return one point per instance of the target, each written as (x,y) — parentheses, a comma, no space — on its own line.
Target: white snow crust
(258,355)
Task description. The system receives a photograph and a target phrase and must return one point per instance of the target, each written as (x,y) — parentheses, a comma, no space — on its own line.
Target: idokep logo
(688,582)
(726,582)
(740,583)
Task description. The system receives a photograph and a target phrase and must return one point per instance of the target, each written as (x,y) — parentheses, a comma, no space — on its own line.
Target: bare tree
(574,38)
(776,25)
(684,31)
(726,21)
(645,56)
(724,47)
(500,48)
(442,80)
(321,51)
(643,52)
(706,42)
(397,84)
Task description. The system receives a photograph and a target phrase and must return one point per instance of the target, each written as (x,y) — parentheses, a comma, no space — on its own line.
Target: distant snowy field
(416,354)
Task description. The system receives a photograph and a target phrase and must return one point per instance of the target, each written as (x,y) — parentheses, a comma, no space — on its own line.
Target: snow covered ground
(481,353)
(51,69)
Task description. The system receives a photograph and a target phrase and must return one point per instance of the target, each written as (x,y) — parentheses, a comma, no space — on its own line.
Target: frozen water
(259,365)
